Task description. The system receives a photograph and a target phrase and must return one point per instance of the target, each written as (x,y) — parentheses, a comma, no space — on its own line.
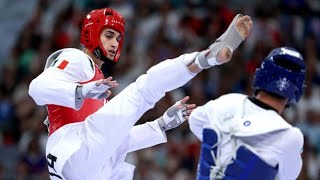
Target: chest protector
(60,115)
(245,165)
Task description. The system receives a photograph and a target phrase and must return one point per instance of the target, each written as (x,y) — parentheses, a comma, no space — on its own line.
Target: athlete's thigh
(83,165)
(105,130)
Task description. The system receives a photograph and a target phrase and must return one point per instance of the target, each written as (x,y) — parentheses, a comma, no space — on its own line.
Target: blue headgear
(282,73)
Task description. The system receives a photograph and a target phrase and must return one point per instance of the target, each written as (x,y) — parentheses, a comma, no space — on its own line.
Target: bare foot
(244,24)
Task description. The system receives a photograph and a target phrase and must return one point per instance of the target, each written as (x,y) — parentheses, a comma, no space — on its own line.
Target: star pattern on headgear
(282,84)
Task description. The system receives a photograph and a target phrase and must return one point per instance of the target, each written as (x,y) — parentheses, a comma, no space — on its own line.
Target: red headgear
(92,27)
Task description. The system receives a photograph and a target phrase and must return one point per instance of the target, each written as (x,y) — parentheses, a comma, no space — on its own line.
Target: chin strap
(97,53)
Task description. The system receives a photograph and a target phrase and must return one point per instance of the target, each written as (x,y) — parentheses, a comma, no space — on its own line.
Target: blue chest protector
(246,166)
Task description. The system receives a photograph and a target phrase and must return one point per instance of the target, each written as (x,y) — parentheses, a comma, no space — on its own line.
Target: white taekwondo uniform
(95,147)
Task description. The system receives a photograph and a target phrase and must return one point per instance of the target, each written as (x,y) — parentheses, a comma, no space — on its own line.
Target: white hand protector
(176,115)
(96,89)
(230,39)
(92,90)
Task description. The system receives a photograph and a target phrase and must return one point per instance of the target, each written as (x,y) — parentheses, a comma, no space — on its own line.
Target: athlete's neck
(98,62)
(277,104)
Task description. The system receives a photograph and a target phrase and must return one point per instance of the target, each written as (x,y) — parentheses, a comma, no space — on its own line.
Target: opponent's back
(245,123)
(255,123)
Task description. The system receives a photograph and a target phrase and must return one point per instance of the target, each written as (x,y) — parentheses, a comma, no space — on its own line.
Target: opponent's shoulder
(290,145)
(232,97)
(290,140)
(224,105)
(294,137)
(228,100)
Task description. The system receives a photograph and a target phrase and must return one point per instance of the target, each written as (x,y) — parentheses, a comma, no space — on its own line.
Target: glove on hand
(176,114)
(96,89)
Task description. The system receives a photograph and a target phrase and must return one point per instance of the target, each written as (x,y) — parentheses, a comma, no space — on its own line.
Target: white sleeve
(146,135)
(141,136)
(197,120)
(57,84)
(290,163)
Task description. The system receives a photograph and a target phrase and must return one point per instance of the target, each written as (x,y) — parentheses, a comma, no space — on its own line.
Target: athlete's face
(110,41)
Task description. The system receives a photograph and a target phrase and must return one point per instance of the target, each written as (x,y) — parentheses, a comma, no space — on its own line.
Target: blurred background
(155,30)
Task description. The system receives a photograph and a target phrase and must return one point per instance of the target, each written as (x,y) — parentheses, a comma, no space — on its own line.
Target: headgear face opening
(282,73)
(94,23)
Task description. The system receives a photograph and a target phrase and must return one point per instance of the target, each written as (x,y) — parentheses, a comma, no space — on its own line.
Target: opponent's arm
(290,162)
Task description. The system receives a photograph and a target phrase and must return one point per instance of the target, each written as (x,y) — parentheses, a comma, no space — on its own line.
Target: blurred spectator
(1,172)
(311,163)
(32,163)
